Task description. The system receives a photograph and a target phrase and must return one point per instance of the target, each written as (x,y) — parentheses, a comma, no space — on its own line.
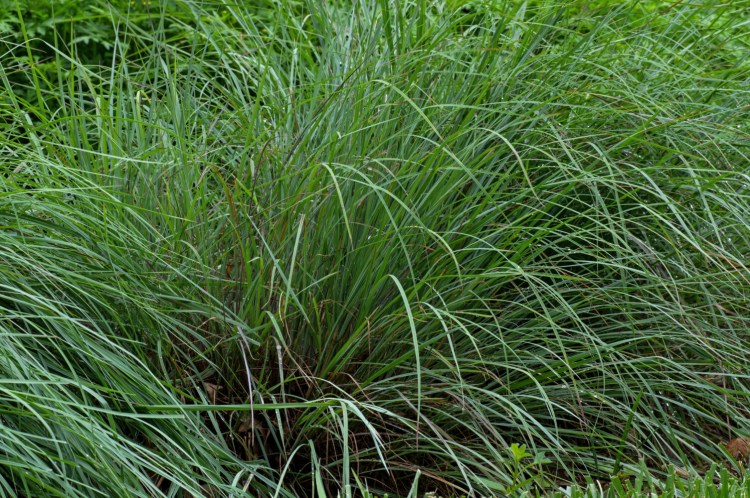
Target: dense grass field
(415,248)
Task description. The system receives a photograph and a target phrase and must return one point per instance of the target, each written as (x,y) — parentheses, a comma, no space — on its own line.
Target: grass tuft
(312,248)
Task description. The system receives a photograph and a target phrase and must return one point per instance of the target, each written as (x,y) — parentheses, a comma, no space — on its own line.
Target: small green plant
(717,482)
(526,471)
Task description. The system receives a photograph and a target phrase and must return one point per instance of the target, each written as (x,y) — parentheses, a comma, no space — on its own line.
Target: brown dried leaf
(212,390)
(682,472)
(739,448)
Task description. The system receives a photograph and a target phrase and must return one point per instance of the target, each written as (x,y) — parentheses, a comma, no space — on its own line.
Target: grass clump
(309,248)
